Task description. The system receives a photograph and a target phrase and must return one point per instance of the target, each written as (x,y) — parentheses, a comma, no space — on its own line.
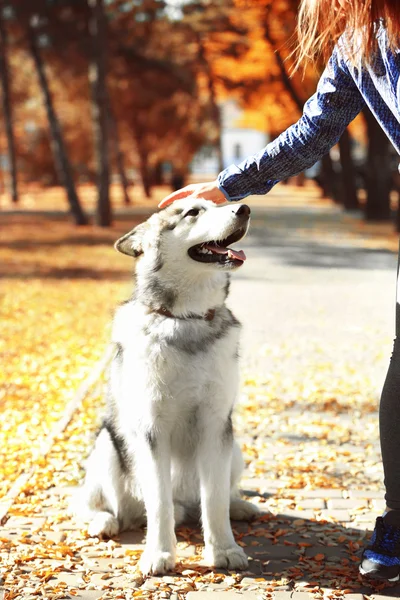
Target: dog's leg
(153,469)
(214,459)
(240,510)
(97,502)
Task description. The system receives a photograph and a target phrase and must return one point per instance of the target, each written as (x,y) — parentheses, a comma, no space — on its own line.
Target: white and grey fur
(166,449)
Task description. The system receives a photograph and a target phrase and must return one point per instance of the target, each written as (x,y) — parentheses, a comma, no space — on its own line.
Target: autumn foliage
(116,91)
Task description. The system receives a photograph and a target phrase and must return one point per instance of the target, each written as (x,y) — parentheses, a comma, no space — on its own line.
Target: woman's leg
(389,418)
(381,559)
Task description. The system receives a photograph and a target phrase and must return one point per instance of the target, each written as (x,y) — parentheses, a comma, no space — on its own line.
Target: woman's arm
(326,115)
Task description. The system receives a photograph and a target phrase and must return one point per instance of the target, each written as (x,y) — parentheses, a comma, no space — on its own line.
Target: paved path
(317,308)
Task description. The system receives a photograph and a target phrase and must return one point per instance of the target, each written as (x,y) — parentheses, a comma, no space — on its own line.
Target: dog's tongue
(236,254)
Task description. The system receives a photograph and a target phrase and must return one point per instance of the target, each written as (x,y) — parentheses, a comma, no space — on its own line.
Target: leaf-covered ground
(309,432)
(59,287)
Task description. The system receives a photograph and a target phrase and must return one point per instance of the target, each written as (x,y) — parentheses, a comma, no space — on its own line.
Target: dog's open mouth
(218,251)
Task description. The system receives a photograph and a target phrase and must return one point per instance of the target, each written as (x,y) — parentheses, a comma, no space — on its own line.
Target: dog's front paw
(156,562)
(226,558)
(103,524)
(242,510)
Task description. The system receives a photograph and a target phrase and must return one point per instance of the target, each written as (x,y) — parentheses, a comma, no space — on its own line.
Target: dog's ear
(132,242)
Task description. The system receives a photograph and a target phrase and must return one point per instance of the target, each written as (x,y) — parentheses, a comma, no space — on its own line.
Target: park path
(316,301)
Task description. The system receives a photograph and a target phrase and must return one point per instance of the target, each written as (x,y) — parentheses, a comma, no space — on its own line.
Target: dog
(166,450)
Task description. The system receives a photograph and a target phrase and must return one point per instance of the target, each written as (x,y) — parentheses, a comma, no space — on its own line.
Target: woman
(362,39)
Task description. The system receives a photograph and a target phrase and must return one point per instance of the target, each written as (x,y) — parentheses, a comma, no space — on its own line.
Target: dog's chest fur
(172,371)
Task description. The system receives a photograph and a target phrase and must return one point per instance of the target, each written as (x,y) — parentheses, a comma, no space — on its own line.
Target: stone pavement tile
(347,503)
(72,579)
(88,594)
(379,504)
(361,531)
(69,525)
(369,494)
(324,493)
(185,552)
(62,491)
(104,565)
(354,596)
(110,580)
(367,528)
(272,551)
(259,483)
(300,596)
(282,588)
(9,534)
(367,517)
(277,567)
(13,534)
(311,503)
(28,523)
(223,596)
(328,551)
(340,515)
(128,538)
(297,514)
(55,536)
(387,594)
(250,581)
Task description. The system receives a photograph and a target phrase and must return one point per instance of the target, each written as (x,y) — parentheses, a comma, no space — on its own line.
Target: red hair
(322,22)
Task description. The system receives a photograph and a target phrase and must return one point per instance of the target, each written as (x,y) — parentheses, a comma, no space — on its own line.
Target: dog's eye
(193,212)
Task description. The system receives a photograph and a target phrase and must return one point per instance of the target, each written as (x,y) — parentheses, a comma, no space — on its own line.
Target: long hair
(322,22)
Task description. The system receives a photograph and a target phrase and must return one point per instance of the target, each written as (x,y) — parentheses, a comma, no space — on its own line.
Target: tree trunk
(143,155)
(398,210)
(158,173)
(396,188)
(378,177)
(212,96)
(144,173)
(350,200)
(7,111)
(119,157)
(97,76)
(328,179)
(287,82)
(57,141)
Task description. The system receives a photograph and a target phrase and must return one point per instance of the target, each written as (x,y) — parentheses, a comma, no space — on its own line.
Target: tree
(7,110)
(262,80)
(97,76)
(154,89)
(118,156)
(58,146)
(212,29)
(378,173)
(212,98)
(33,16)
(350,199)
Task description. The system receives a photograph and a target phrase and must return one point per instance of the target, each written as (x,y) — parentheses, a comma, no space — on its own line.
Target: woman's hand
(206,191)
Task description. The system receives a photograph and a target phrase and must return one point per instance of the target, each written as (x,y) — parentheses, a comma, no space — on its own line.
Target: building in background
(237,141)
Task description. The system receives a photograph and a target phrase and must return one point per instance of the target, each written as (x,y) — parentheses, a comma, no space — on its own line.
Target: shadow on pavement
(298,554)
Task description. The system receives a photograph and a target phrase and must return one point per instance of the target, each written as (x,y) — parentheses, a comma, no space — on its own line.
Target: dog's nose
(242,210)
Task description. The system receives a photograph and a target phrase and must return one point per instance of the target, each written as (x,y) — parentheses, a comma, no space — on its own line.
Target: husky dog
(166,451)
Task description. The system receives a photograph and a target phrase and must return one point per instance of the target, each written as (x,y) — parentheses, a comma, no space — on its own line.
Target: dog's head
(191,234)
(196,233)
